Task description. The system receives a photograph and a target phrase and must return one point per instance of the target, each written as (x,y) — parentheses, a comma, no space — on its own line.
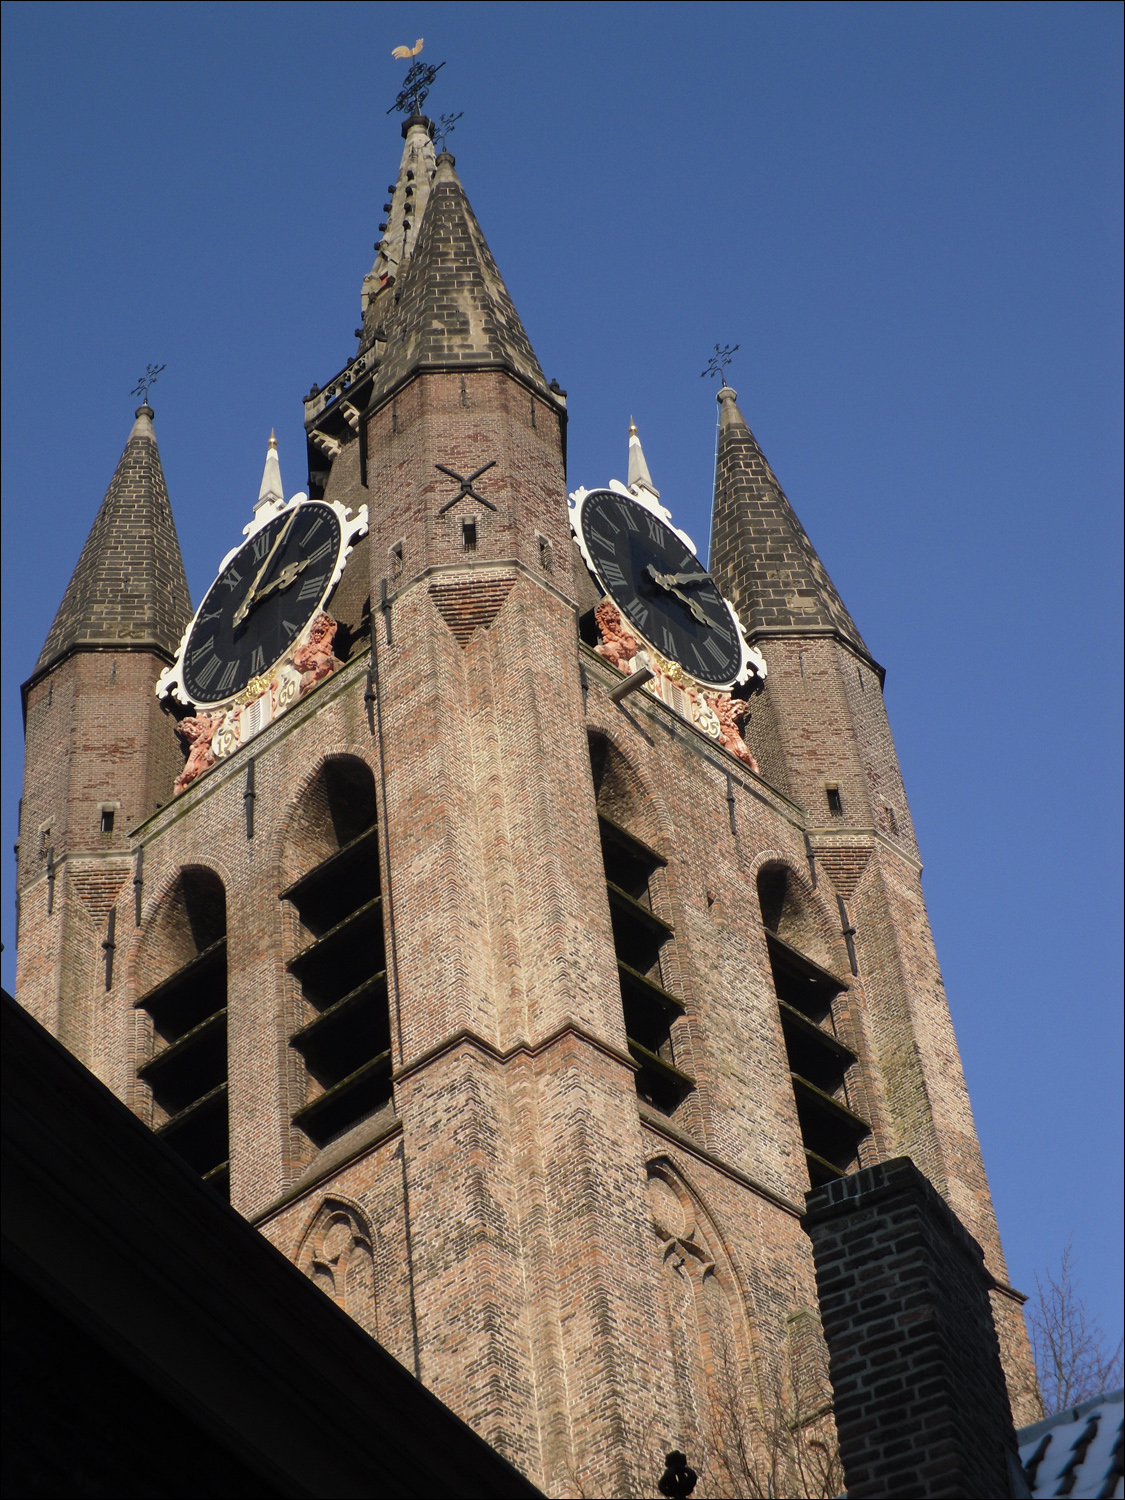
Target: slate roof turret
(128,589)
(452,309)
(760,555)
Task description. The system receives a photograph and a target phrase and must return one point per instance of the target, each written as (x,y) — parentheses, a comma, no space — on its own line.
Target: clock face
(261,601)
(661,588)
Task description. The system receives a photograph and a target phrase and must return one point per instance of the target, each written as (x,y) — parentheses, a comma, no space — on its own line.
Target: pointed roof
(760,555)
(129,588)
(639,477)
(452,309)
(405,206)
(271,491)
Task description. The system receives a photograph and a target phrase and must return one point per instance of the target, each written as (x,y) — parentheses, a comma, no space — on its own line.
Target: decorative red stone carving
(314,660)
(732,713)
(618,645)
(197,733)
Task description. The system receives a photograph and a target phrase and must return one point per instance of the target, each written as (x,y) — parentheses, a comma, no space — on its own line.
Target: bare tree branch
(1070,1351)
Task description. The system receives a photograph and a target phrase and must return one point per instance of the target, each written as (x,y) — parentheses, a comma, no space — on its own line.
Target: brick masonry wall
(516,1204)
(921,1403)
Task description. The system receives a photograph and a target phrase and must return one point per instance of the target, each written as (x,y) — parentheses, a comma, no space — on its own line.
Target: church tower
(100,750)
(515,988)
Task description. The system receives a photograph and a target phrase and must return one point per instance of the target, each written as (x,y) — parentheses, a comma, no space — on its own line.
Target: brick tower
(99,748)
(520,1013)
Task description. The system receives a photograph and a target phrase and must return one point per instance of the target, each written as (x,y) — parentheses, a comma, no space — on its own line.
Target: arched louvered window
(344,1039)
(642,936)
(187,1070)
(820,1062)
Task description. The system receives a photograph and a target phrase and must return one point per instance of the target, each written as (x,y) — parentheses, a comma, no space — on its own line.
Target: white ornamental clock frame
(352,526)
(752,662)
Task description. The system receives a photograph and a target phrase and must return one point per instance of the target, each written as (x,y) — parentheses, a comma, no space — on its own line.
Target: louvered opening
(639,936)
(345,1040)
(187,1072)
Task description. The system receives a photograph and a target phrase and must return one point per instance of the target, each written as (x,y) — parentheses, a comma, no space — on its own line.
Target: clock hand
(244,608)
(687,578)
(704,619)
(282,581)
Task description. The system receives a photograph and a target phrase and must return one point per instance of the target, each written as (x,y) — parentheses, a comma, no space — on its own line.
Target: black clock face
(661,588)
(260,602)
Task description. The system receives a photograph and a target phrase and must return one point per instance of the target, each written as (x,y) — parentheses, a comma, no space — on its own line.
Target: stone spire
(639,477)
(760,555)
(406,202)
(451,308)
(128,589)
(271,492)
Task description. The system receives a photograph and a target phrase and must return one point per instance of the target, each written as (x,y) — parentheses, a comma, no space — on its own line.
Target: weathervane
(445,128)
(147,380)
(717,364)
(418,82)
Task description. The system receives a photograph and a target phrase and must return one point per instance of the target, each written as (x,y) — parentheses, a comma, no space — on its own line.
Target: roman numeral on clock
(204,676)
(322,551)
(260,546)
(715,651)
(311,588)
(258,660)
(232,578)
(614,574)
(202,649)
(226,681)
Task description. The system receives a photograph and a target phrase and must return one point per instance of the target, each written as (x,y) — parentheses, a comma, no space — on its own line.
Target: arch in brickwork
(186,916)
(711,1341)
(623,792)
(796,913)
(335,803)
(337,1252)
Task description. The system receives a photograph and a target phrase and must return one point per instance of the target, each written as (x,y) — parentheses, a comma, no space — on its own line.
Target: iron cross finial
(417,83)
(147,381)
(445,127)
(717,364)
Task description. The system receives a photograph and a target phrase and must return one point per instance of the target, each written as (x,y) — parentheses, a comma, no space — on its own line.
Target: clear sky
(907,216)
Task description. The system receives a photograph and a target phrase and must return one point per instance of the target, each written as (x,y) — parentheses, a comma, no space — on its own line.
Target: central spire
(406,203)
(451,310)
(639,477)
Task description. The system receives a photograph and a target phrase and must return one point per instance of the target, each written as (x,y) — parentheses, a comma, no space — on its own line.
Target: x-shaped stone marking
(466,486)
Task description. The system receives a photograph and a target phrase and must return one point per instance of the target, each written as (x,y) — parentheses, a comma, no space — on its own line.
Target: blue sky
(908,218)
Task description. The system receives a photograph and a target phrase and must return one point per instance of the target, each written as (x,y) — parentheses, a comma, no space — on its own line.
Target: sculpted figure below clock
(241,660)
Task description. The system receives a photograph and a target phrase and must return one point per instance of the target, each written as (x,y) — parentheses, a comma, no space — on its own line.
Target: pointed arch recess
(338,1253)
(712,1343)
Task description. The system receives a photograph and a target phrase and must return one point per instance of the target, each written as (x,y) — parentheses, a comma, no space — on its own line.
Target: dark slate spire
(453,310)
(760,555)
(129,588)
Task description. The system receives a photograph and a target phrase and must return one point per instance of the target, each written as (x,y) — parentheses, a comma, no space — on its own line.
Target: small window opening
(835,803)
(469,535)
(397,555)
(107,820)
(546,555)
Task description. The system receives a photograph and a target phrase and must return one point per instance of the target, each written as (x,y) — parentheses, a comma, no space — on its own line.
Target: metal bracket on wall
(385,606)
(730,805)
(109,945)
(50,880)
(810,855)
(248,797)
(138,883)
(849,932)
(584,683)
(371,690)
